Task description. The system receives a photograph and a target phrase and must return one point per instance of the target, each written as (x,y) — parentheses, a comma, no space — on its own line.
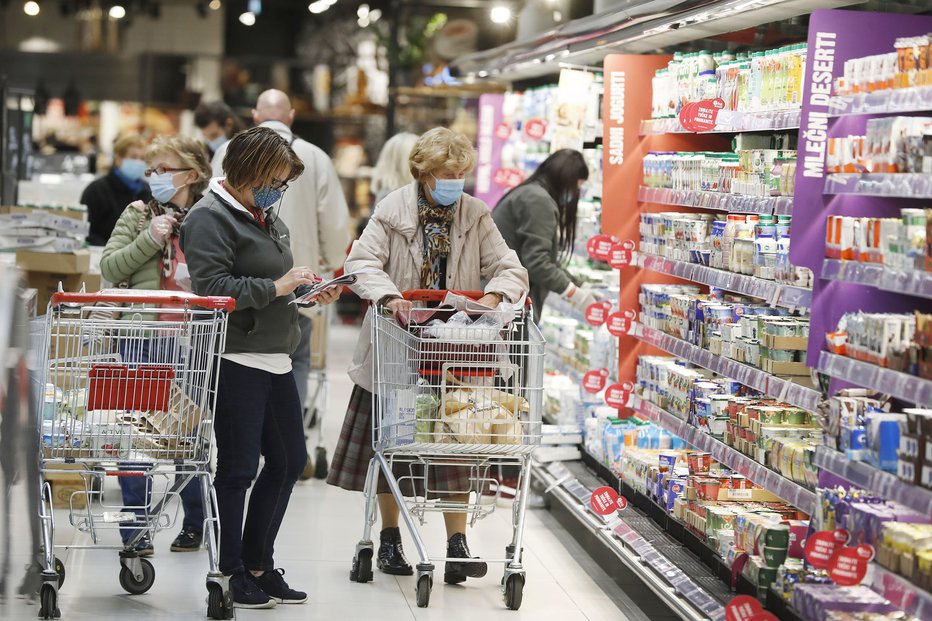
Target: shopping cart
(315,405)
(452,404)
(128,391)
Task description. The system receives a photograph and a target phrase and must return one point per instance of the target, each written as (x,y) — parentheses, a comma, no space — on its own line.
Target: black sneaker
(273,584)
(144,547)
(187,541)
(247,594)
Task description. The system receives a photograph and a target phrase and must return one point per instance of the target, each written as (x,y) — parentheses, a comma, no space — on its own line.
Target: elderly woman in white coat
(426,235)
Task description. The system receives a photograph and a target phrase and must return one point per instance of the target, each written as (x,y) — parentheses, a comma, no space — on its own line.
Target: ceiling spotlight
(363,22)
(215,5)
(500,14)
(248,18)
(318,7)
(117,11)
(374,15)
(362,11)
(31,8)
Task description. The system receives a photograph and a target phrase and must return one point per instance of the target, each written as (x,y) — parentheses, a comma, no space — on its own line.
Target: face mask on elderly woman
(447,191)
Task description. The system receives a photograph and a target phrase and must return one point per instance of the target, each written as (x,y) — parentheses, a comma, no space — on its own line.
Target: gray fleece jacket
(229,253)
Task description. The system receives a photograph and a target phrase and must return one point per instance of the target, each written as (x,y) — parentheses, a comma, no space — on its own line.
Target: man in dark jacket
(107,196)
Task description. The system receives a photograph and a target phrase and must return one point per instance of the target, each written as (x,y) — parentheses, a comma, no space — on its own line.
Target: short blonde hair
(189,152)
(441,149)
(126,142)
(392,168)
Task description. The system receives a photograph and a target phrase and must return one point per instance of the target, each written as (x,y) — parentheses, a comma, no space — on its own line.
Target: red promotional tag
(701,116)
(508,177)
(594,381)
(620,256)
(742,608)
(598,312)
(605,501)
(620,323)
(821,546)
(617,395)
(535,128)
(599,247)
(503,131)
(848,566)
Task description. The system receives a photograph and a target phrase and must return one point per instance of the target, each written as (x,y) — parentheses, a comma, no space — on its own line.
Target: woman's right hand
(160,227)
(398,305)
(295,277)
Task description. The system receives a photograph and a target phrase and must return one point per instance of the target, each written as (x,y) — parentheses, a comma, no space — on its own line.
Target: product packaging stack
(45,270)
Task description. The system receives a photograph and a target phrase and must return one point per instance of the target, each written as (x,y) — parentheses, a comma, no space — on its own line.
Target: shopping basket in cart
(129,392)
(457,395)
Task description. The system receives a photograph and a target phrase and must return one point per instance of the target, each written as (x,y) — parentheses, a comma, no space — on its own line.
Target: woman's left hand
(490,300)
(329,295)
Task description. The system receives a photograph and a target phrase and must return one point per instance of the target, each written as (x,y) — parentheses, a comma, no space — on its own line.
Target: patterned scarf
(436,221)
(170,250)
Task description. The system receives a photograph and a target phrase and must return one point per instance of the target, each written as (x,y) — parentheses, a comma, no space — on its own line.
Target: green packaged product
(426,410)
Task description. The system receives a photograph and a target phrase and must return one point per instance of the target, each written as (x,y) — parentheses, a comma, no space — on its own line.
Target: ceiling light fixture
(317,7)
(215,5)
(117,11)
(375,15)
(248,18)
(500,14)
(31,8)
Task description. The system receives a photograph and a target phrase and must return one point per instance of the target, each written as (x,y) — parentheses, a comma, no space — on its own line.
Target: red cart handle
(437,295)
(139,296)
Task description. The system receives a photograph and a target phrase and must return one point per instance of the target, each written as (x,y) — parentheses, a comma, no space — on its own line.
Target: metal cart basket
(455,397)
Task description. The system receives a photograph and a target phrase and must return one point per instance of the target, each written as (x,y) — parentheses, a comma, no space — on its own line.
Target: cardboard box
(46,284)
(54,263)
(66,495)
(93,283)
(775,367)
(795,343)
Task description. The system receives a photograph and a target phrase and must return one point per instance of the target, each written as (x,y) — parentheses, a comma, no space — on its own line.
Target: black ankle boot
(455,573)
(391,559)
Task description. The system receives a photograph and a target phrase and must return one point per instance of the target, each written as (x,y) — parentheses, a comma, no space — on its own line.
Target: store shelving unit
(902,592)
(891,101)
(775,483)
(892,185)
(780,388)
(917,283)
(717,201)
(776,293)
(776,120)
(887,381)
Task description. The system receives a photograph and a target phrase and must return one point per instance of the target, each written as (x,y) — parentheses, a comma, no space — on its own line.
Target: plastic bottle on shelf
(755,81)
(728,238)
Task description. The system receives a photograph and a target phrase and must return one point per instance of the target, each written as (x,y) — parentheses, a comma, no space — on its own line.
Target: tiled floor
(316,546)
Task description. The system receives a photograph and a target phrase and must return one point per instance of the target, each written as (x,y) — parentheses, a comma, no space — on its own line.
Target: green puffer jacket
(131,255)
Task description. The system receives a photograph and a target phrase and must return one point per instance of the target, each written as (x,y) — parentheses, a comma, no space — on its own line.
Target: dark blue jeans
(257,413)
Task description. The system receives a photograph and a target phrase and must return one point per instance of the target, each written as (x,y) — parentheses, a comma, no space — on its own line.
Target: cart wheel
(424,584)
(48,599)
(362,566)
(59,568)
(131,585)
(514,591)
(321,467)
(217,605)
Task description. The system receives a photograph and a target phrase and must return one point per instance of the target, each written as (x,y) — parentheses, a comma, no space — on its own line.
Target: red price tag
(700,116)
(594,381)
(742,608)
(848,566)
(597,313)
(508,177)
(599,247)
(503,131)
(617,395)
(821,546)
(535,128)
(605,501)
(620,323)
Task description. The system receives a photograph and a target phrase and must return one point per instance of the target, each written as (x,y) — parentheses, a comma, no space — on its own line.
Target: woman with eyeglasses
(143,253)
(237,246)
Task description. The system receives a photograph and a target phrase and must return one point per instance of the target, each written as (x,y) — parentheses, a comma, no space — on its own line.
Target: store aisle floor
(315,547)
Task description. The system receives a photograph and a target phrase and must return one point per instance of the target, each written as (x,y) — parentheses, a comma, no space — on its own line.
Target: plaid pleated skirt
(351,458)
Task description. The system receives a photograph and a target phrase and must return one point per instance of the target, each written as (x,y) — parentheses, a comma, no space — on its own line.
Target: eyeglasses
(281,186)
(161,170)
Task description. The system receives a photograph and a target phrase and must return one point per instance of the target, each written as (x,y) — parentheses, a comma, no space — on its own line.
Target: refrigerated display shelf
(892,185)
(891,101)
(717,201)
(775,293)
(775,483)
(894,383)
(740,122)
(872,479)
(916,283)
(786,390)
(903,593)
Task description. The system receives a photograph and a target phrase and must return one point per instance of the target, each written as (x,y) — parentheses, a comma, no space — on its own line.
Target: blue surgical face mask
(216,143)
(163,186)
(266,197)
(448,191)
(132,168)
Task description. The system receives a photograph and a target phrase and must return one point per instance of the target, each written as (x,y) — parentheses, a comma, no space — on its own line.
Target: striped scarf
(436,221)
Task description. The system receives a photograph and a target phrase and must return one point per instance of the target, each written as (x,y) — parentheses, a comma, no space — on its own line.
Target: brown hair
(255,155)
(189,152)
(441,149)
(126,142)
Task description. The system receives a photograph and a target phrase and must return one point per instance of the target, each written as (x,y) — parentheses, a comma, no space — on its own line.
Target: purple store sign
(835,37)
(489,145)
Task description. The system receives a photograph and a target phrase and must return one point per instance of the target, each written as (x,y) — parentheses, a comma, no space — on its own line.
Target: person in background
(538,221)
(108,196)
(314,209)
(237,246)
(143,253)
(426,235)
(392,169)
(218,124)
